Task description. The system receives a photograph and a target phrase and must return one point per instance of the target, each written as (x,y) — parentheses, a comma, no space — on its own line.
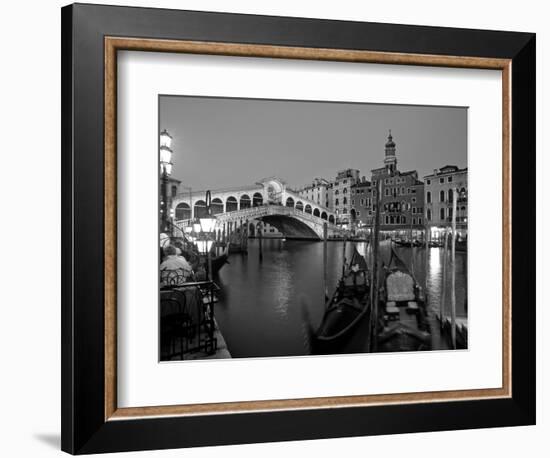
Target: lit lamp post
(206,225)
(165,172)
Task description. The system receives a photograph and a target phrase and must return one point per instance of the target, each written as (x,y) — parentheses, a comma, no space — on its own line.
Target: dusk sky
(220,142)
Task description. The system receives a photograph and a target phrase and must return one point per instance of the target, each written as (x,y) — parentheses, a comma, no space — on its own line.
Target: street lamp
(165,172)
(207,224)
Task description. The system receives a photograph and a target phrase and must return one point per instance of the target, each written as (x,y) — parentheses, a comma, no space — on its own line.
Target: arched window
(442,213)
(290,202)
(231,204)
(450,195)
(442,196)
(345,190)
(344,210)
(345,201)
(429,214)
(183,211)
(199,209)
(257,199)
(216,206)
(336,202)
(245,201)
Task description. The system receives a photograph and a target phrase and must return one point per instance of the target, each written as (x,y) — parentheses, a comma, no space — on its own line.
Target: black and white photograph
(297,228)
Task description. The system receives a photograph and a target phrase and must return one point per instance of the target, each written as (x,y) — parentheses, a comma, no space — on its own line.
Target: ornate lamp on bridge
(165,172)
(207,224)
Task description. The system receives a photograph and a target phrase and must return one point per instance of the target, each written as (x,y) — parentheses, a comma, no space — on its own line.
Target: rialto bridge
(269,201)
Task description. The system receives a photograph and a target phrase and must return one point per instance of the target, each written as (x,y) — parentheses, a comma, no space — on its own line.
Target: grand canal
(266,306)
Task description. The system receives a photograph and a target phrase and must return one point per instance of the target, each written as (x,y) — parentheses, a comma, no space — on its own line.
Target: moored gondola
(404,325)
(344,327)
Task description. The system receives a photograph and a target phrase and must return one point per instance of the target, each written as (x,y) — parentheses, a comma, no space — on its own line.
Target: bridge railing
(305,201)
(265,210)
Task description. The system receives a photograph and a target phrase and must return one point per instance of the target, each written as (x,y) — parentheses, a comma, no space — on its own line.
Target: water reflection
(266,307)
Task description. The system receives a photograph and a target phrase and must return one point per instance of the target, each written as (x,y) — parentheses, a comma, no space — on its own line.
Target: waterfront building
(318,191)
(402,195)
(341,195)
(438,195)
(172,191)
(361,205)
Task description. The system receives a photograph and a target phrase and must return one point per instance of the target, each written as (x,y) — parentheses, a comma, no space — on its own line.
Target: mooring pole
(444,286)
(412,245)
(426,253)
(453,272)
(344,258)
(325,281)
(374,275)
(260,236)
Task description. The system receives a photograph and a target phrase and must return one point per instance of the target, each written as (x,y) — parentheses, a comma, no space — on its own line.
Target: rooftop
(446,169)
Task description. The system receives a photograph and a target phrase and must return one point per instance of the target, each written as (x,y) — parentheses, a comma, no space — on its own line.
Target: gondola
(219,261)
(404,325)
(408,243)
(346,314)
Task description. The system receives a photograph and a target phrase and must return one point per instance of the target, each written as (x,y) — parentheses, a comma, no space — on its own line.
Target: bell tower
(390,161)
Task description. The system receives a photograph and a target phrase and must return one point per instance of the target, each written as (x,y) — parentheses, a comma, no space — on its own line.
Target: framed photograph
(271,222)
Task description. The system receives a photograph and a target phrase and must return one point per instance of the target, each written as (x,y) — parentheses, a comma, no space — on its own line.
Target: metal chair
(172,277)
(177,323)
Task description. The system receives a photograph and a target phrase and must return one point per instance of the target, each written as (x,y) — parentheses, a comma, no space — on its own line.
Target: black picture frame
(84,427)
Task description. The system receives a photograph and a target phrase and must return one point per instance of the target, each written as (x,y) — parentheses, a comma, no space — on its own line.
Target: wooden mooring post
(426,254)
(453,271)
(444,281)
(325,258)
(373,344)
(260,237)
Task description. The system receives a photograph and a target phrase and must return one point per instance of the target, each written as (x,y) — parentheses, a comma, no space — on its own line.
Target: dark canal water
(265,307)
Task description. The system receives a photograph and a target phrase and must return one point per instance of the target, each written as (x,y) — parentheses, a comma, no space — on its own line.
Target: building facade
(319,191)
(341,195)
(401,199)
(438,195)
(362,205)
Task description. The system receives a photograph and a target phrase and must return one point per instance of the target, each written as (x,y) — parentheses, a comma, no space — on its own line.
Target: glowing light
(207,224)
(204,245)
(165,139)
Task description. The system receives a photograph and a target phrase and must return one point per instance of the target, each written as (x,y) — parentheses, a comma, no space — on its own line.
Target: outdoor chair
(172,277)
(178,323)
